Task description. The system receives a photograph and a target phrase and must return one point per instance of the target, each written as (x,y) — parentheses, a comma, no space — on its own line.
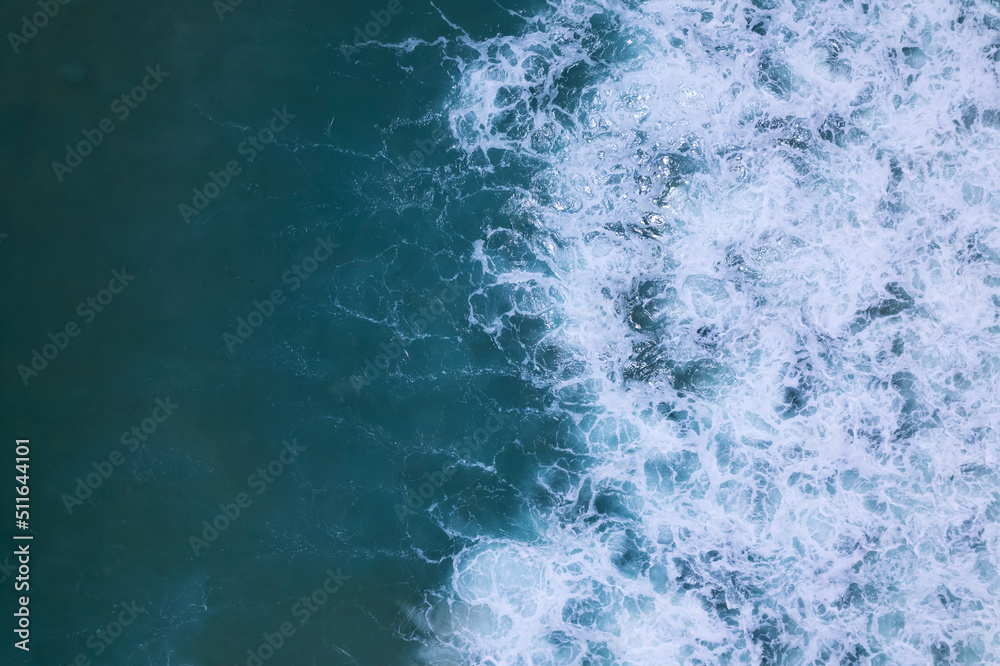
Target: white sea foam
(761,237)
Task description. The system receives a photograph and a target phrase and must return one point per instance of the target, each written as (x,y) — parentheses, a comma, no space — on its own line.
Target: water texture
(753,246)
(635,333)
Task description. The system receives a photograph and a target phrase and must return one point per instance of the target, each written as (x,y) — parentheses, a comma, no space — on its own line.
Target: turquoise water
(526,333)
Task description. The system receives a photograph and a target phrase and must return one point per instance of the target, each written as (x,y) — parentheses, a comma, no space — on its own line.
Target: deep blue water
(523,333)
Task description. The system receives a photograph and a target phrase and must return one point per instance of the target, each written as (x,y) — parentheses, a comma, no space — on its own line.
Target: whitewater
(749,251)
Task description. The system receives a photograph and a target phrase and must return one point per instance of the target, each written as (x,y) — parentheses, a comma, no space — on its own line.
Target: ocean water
(745,254)
(630,333)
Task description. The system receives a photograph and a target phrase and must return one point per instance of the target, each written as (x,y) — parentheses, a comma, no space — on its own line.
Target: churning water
(748,255)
